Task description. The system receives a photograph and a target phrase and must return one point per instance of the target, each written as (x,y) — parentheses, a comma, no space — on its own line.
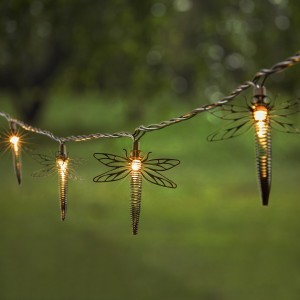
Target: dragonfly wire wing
(43,159)
(231,130)
(157,178)
(286,108)
(231,112)
(279,116)
(241,121)
(48,170)
(48,163)
(111,160)
(112,175)
(161,164)
(119,165)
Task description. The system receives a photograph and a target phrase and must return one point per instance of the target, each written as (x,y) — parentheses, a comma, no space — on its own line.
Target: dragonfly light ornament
(138,166)
(60,165)
(263,115)
(15,141)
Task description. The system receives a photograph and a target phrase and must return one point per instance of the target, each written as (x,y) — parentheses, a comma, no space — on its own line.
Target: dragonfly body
(62,162)
(59,164)
(263,116)
(138,167)
(136,196)
(263,149)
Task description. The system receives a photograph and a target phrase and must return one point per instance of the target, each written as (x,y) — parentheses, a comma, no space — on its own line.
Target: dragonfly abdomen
(136,194)
(63,175)
(18,165)
(263,157)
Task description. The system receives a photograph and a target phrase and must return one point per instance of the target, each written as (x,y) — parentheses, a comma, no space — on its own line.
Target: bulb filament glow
(136,165)
(260,115)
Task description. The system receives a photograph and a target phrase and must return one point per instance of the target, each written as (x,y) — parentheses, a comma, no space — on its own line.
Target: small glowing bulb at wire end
(14,139)
(260,115)
(136,165)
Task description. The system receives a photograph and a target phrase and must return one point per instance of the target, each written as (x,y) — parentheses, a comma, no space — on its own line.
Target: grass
(208,239)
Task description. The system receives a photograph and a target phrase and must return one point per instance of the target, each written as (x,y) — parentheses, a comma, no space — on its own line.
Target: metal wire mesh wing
(279,119)
(111,160)
(231,112)
(43,159)
(46,171)
(231,130)
(118,164)
(151,168)
(161,164)
(47,162)
(157,178)
(241,122)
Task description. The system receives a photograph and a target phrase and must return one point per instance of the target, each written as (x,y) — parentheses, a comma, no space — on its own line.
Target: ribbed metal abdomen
(136,194)
(17,165)
(63,175)
(263,158)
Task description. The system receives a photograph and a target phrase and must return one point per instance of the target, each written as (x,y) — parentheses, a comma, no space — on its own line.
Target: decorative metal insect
(15,145)
(263,115)
(138,166)
(60,164)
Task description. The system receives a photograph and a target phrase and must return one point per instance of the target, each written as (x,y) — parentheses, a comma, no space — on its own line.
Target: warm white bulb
(14,139)
(62,164)
(136,165)
(260,115)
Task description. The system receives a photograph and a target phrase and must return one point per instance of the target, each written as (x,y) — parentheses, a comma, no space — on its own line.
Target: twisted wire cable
(141,130)
(262,74)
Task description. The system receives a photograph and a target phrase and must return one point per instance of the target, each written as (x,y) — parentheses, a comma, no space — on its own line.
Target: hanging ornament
(263,115)
(138,166)
(59,164)
(15,145)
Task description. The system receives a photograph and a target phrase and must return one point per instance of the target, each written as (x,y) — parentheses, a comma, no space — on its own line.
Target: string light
(60,164)
(138,166)
(261,114)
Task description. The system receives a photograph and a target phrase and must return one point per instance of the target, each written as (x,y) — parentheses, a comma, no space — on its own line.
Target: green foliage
(191,48)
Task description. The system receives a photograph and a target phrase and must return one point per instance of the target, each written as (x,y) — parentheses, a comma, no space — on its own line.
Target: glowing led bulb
(136,165)
(14,139)
(15,142)
(260,115)
(62,164)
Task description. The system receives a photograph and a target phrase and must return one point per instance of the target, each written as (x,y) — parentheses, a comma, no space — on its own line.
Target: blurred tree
(139,48)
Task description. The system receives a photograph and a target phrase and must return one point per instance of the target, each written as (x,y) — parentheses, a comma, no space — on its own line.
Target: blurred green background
(77,67)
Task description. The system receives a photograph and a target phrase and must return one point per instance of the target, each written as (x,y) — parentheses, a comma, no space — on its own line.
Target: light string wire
(141,130)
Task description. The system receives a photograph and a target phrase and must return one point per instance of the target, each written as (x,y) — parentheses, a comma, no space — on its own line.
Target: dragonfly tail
(136,194)
(264,164)
(18,166)
(63,193)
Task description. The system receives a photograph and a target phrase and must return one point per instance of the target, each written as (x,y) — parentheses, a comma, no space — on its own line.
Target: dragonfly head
(62,153)
(135,151)
(62,159)
(260,96)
